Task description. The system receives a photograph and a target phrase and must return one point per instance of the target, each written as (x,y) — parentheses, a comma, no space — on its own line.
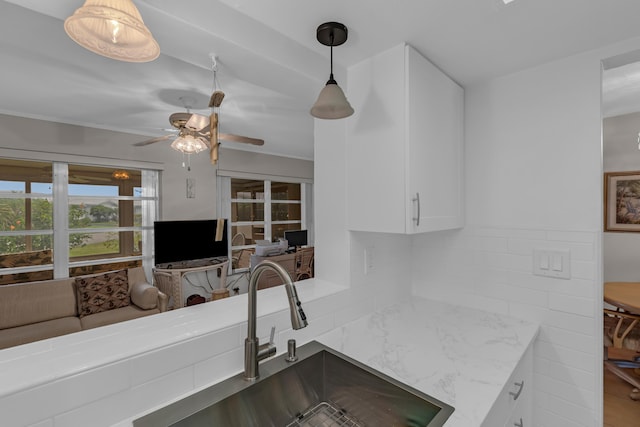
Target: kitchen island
(462,356)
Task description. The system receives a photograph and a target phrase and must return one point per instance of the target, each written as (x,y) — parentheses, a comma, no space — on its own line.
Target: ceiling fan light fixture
(188,144)
(332,102)
(114,29)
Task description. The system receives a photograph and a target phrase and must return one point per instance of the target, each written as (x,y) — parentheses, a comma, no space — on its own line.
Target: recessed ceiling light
(507,1)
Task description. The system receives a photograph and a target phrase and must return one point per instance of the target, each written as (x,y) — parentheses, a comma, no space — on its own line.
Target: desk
(625,295)
(169,280)
(298,264)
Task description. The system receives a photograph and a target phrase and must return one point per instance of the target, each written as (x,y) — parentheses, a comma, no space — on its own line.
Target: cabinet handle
(519,424)
(520,386)
(417,200)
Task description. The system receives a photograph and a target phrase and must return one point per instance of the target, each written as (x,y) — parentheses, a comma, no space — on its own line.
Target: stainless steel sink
(322,388)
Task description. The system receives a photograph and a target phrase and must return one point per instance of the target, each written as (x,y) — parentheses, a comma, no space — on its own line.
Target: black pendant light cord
(331,79)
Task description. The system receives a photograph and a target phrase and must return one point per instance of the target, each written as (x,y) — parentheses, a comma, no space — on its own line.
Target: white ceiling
(271,66)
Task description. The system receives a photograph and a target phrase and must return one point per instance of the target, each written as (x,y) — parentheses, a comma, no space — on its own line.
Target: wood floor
(619,409)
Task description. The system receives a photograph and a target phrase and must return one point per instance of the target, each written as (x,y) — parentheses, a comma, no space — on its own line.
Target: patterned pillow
(102,292)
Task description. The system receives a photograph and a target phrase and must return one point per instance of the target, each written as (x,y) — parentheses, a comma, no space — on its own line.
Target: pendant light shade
(331,103)
(112,28)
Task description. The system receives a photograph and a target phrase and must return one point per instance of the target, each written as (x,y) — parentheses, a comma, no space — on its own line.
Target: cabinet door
(435,106)
(376,144)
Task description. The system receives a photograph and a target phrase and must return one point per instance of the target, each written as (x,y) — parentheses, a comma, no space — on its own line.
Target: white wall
(620,153)
(533,180)
(331,238)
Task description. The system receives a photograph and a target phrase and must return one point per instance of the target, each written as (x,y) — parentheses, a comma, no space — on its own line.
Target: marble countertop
(458,355)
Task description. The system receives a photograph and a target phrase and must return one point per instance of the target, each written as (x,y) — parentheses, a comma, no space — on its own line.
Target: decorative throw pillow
(102,292)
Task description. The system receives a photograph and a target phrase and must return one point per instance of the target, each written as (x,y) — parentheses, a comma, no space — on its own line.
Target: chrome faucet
(253,352)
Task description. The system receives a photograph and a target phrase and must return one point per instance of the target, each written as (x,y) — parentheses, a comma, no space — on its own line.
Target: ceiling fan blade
(153,140)
(197,122)
(238,138)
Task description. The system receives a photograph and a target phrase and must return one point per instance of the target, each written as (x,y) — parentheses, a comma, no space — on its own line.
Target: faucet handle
(268,349)
(273,334)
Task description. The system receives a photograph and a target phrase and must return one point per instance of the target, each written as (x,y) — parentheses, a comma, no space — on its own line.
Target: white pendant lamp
(112,28)
(331,103)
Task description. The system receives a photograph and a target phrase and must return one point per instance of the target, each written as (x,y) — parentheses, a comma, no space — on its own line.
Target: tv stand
(168,276)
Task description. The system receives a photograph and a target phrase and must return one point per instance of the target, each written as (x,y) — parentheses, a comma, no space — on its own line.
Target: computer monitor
(296,238)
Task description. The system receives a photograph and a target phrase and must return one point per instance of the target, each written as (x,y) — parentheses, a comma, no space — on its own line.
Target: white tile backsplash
(569,410)
(560,336)
(218,368)
(565,374)
(154,364)
(571,304)
(106,411)
(497,264)
(565,355)
(162,388)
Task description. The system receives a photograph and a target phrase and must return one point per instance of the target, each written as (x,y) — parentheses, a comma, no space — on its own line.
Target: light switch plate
(552,263)
(368,259)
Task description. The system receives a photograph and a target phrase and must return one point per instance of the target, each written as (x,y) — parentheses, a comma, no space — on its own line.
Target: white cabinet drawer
(515,399)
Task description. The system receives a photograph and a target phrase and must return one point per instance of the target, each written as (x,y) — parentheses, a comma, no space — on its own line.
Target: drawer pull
(519,424)
(516,394)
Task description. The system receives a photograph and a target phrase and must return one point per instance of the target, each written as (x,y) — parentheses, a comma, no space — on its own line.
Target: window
(262,209)
(62,220)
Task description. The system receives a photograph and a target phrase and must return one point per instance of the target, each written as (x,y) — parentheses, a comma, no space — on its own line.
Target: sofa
(38,310)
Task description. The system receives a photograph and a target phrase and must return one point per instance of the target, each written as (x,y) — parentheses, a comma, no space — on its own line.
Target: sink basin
(323,387)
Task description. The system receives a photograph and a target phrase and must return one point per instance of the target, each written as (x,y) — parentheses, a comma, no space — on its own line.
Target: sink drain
(324,415)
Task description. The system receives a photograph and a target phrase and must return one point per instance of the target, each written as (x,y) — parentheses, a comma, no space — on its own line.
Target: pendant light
(120,174)
(331,103)
(112,28)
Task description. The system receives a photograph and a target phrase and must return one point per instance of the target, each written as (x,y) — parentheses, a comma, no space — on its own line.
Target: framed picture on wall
(622,201)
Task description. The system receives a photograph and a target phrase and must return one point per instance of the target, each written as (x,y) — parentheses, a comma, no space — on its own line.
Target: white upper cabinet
(404,145)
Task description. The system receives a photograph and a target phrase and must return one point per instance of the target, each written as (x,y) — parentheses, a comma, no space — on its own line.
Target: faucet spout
(253,352)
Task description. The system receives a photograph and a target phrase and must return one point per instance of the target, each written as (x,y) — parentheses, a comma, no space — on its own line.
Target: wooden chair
(238,240)
(304,263)
(164,282)
(622,347)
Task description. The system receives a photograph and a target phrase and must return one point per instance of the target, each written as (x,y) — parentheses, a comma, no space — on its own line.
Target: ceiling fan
(184,123)
(193,132)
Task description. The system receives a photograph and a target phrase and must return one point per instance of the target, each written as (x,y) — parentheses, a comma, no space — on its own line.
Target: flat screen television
(188,240)
(296,238)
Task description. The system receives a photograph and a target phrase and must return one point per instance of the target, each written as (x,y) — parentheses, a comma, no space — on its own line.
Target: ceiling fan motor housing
(178,120)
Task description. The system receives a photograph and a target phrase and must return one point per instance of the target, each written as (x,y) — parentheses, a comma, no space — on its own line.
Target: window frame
(224,210)
(61,263)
